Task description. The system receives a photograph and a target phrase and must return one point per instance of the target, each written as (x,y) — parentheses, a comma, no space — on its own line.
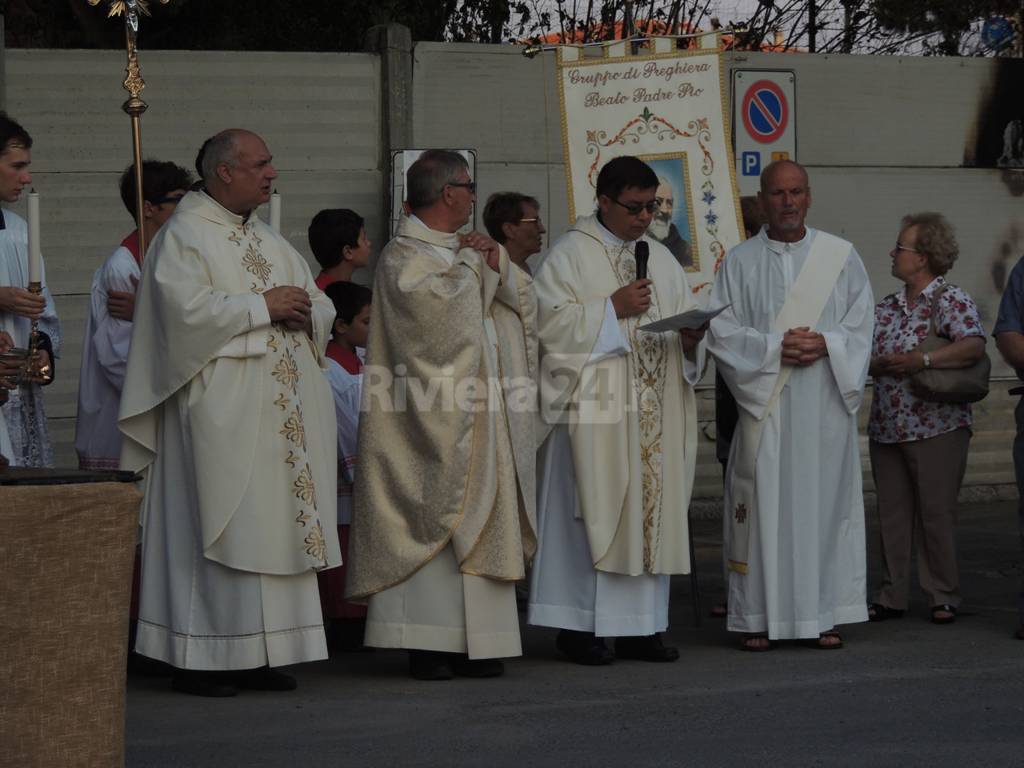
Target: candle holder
(30,371)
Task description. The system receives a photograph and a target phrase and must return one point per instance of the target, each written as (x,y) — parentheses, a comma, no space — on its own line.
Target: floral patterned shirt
(897,415)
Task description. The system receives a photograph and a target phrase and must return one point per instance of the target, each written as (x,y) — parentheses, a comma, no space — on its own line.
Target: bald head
(785,197)
(237,170)
(774,168)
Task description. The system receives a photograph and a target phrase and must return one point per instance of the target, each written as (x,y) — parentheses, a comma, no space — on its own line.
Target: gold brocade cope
(444,457)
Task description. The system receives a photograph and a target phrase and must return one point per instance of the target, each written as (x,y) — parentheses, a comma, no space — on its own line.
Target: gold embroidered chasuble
(447,445)
(632,418)
(259,412)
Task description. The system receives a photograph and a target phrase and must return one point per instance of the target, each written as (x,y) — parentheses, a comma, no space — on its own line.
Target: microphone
(641,253)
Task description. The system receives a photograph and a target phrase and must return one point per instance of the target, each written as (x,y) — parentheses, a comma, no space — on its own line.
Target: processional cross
(133,83)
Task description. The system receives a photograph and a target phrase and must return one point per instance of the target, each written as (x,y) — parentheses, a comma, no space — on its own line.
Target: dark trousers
(1018,468)
(917,484)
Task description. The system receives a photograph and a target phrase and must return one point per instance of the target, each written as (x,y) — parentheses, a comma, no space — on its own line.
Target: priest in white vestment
(226,410)
(443,515)
(23,411)
(108,328)
(793,349)
(616,472)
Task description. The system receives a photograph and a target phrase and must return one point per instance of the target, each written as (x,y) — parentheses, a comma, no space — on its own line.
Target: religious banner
(669,109)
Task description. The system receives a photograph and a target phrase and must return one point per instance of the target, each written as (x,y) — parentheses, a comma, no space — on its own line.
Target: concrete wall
(319,113)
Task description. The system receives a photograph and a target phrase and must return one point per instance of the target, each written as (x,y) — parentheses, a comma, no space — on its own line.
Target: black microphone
(641,253)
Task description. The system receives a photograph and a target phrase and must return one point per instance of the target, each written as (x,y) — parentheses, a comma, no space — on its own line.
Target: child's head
(352,308)
(163,185)
(337,235)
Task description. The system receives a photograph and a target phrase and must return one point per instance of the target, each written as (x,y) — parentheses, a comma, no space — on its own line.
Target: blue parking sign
(751,163)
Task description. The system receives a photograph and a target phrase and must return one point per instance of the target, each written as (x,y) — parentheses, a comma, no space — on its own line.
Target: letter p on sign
(751,163)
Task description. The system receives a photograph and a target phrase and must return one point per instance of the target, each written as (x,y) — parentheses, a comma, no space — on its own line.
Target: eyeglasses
(470,185)
(534,220)
(904,248)
(634,209)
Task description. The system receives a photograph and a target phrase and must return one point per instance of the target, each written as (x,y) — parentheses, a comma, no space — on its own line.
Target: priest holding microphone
(616,467)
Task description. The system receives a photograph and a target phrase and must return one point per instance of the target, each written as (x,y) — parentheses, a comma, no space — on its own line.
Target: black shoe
(466,667)
(584,648)
(949,610)
(346,636)
(430,665)
(263,679)
(645,648)
(879,612)
(199,683)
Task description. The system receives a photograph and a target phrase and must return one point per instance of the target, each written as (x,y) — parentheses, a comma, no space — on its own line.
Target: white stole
(803,307)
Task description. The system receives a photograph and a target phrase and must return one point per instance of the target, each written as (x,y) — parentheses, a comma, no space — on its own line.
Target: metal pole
(134,106)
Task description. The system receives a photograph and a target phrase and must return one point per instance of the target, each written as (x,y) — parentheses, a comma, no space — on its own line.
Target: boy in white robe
(108,328)
(344,620)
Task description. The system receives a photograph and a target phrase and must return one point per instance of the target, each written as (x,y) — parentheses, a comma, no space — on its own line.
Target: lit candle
(35,257)
(275,211)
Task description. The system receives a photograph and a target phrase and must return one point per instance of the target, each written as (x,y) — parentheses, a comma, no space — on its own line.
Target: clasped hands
(803,347)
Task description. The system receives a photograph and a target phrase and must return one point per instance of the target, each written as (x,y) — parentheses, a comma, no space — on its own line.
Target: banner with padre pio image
(668,109)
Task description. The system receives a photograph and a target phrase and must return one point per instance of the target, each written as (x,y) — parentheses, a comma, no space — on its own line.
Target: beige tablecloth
(65,580)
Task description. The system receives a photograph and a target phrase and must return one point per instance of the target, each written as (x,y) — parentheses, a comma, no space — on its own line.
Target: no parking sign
(764,112)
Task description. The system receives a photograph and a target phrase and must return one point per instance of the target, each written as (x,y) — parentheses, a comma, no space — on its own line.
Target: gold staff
(133,83)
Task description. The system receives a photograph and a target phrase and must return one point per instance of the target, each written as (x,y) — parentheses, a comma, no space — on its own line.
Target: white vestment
(104,359)
(806,568)
(346,388)
(23,412)
(571,588)
(230,418)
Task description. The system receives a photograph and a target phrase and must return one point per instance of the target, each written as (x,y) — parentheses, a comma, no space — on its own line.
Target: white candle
(35,256)
(275,211)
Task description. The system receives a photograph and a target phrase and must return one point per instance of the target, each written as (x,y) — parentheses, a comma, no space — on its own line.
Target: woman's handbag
(949,385)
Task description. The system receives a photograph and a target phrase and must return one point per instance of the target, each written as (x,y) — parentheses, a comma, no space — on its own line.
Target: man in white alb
(793,349)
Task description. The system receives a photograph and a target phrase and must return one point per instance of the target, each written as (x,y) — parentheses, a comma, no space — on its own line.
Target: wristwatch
(927,360)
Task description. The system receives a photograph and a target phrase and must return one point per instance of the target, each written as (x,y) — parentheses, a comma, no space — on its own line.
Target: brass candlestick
(26,361)
(133,83)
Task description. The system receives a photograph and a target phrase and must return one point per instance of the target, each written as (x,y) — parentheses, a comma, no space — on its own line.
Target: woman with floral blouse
(919,448)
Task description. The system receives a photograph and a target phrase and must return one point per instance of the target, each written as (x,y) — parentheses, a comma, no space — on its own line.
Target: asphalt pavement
(900,693)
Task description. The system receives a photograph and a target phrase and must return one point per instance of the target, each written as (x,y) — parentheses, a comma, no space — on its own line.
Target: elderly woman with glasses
(919,448)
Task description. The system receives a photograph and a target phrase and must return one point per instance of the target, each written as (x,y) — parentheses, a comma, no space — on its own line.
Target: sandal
(821,642)
(944,608)
(751,643)
(879,612)
(719,611)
